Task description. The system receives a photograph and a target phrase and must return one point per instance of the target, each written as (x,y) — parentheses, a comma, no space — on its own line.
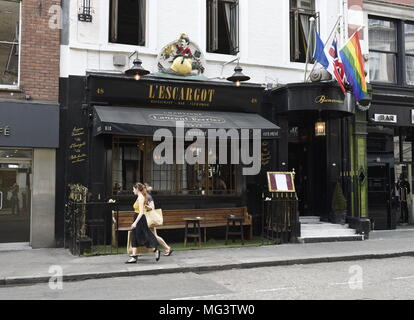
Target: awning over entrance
(325,97)
(145,121)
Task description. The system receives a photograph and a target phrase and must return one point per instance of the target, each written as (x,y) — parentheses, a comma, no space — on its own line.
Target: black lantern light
(238,76)
(137,70)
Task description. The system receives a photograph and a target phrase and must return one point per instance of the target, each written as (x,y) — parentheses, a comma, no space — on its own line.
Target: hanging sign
(391,118)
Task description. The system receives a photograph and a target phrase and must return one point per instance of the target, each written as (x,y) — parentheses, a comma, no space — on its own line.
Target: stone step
(323,226)
(314,239)
(327,233)
(310,219)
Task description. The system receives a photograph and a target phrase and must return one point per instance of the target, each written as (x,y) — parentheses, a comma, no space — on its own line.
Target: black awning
(145,121)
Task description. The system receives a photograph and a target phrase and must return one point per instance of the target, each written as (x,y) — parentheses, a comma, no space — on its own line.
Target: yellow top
(136,205)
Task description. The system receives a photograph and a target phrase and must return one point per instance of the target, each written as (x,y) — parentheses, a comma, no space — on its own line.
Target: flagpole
(327,41)
(311,23)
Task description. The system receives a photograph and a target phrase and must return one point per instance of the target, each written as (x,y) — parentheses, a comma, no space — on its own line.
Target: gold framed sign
(281,181)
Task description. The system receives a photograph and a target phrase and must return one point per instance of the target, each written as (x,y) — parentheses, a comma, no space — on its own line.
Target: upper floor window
(382,50)
(9,42)
(223,26)
(391,51)
(409,52)
(127,22)
(300,13)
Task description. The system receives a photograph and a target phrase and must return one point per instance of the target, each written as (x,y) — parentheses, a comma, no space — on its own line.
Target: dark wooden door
(379,196)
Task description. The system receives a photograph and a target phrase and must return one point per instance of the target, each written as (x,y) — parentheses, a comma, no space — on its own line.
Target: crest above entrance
(181,58)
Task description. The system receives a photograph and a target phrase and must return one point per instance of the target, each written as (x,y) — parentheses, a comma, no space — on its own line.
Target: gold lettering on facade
(189,96)
(77,146)
(78,132)
(150,92)
(323,99)
(180,95)
(100,91)
(168,91)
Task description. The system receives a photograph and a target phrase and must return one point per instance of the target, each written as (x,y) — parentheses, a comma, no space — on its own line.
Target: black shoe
(133,259)
(168,253)
(157,254)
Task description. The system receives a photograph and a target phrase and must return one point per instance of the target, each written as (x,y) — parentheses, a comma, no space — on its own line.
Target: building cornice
(387,9)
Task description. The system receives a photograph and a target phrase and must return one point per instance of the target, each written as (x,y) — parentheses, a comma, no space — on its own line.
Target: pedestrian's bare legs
(161,240)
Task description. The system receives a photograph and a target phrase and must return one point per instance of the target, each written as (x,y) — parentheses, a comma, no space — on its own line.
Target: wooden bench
(174,219)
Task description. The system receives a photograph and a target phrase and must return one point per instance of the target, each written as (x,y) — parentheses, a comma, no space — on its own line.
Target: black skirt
(142,235)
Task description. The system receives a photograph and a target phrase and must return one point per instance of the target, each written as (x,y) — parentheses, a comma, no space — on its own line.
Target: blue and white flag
(319,54)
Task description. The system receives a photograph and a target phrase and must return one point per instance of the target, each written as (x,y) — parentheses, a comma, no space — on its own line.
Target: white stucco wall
(264,38)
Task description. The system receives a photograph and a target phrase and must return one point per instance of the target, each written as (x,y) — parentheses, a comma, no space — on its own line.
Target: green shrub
(338,199)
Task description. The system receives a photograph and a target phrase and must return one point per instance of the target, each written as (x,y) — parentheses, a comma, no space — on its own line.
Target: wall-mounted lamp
(137,71)
(320,128)
(237,77)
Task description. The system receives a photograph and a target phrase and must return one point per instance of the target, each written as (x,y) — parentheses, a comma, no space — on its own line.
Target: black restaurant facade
(108,122)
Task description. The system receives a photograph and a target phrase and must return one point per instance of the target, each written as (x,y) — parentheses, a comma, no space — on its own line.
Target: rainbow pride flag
(353,62)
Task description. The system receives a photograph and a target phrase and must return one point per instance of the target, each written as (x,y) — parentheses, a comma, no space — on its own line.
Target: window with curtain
(300,13)
(127,22)
(382,50)
(9,42)
(409,52)
(223,26)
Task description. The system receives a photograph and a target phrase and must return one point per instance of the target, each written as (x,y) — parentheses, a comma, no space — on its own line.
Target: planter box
(85,245)
(338,217)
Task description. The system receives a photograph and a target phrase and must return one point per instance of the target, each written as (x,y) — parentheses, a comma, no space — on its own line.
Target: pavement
(22,266)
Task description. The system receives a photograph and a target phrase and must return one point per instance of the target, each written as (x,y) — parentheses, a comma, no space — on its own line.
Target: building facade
(105,116)
(29,120)
(390,27)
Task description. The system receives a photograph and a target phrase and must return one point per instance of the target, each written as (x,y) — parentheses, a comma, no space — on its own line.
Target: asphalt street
(366,279)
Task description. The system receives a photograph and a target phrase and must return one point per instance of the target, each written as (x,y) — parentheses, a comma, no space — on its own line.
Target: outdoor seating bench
(174,219)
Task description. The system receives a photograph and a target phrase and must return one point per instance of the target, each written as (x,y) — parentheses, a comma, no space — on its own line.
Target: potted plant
(338,214)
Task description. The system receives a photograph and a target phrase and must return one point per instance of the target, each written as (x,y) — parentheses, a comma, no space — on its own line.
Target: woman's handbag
(154,218)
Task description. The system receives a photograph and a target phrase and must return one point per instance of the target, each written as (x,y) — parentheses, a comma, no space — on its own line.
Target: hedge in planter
(338,214)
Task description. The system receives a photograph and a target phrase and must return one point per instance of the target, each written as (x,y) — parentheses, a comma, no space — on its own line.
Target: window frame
(294,47)
(212,7)
(401,54)
(147,171)
(404,71)
(398,62)
(19,44)
(141,32)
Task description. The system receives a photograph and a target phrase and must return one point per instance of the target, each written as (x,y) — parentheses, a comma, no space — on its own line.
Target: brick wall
(40,50)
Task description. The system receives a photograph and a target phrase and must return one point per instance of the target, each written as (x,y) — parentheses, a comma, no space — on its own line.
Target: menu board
(281,181)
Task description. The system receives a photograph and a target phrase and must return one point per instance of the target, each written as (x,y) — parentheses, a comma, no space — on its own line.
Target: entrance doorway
(390,161)
(15,195)
(307,157)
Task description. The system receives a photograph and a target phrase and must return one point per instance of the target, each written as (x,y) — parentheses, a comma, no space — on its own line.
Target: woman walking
(151,206)
(141,234)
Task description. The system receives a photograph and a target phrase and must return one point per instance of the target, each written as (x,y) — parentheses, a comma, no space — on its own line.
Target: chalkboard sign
(281,181)
(77,146)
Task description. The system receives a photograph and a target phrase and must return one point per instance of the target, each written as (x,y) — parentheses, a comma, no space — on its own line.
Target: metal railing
(280,222)
(87,226)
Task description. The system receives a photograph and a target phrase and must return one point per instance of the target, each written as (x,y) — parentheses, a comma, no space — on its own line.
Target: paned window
(127,22)
(223,26)
(300,13)
(9,42)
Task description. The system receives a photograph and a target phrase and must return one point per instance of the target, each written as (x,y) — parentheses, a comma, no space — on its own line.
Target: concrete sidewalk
(32,266)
